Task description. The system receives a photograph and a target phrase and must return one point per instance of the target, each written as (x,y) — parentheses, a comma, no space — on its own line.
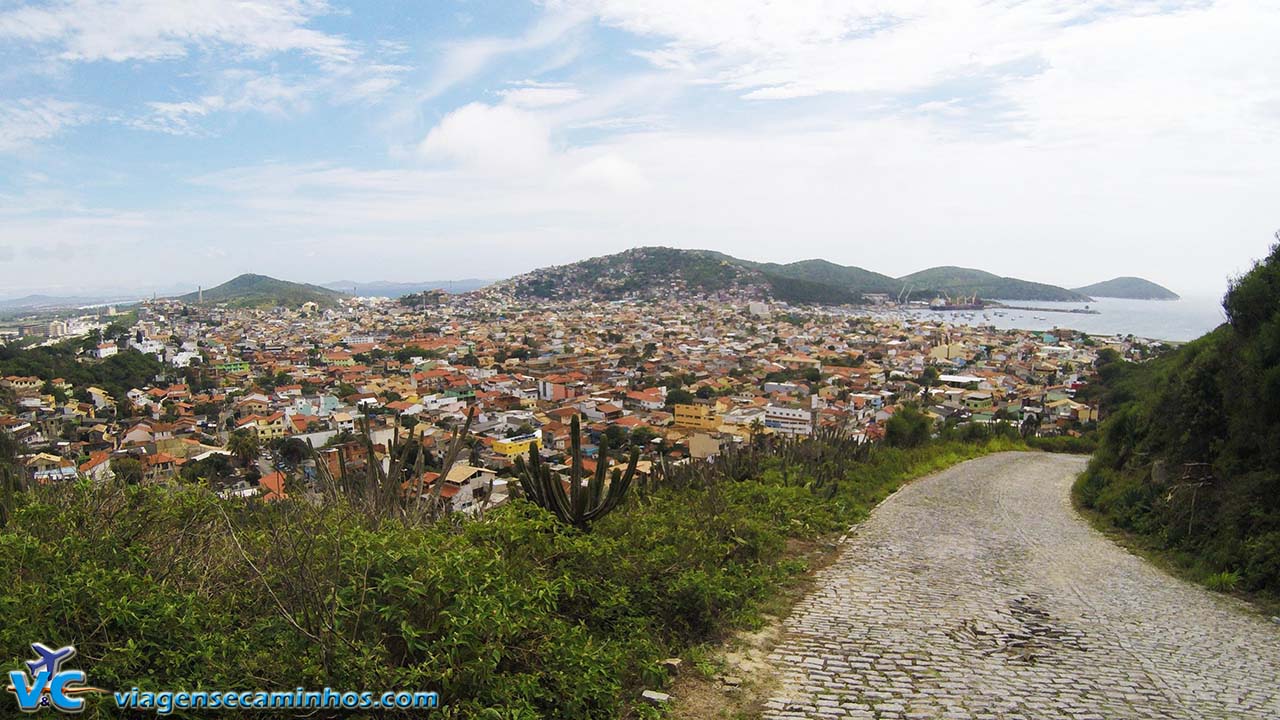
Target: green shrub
(1189,456)
(1078,445)
(908,427)
(1222,582)
(513,615)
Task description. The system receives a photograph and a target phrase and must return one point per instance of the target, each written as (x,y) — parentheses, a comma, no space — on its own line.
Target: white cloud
(893,195)
(1207,73)
(279,95)
(29,120)
(539,96)
(489,138)
(91,30)
(1043,139)
(178,118)
(235,34)
(464,59)
(783,50)
(611,171)
(236,91)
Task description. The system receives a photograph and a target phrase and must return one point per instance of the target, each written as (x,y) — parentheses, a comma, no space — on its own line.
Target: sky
(155,143)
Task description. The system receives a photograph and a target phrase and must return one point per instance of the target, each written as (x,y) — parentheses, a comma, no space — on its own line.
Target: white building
(789,420)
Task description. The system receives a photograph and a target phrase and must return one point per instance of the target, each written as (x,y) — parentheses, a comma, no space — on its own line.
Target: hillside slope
(251,290)
(662,272)
(1190,452)
(951,281)
(851,278)
(646,271)
(1131,288)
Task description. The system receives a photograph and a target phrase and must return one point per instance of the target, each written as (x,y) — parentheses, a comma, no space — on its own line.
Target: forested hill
(1190,452)
(1132,288)
(951,281)
(663,272)
(250,290)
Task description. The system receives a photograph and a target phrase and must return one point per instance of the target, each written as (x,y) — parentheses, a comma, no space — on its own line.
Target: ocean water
(1177,320)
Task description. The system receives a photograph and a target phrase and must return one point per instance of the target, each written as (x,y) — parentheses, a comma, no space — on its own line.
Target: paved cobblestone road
(979,593)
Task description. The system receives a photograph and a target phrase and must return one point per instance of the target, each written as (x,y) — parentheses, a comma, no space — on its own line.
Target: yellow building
(697,417)
(516,446)
(948,351)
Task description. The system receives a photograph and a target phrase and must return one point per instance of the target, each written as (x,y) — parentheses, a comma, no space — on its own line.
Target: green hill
(664,272)
(638,272)
(250,290)
(660,272)
(853,279)
(953,281)
(1189,456)
(1132,288)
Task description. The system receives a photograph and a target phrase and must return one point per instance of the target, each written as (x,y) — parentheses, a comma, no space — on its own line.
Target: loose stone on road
(978,592)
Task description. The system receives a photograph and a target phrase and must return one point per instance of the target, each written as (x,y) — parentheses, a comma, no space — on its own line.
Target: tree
(407,354)
(59,396)
(679,396)
(616,435)
(127,470)
(12,476)
(930,376)
(1106,356)
(292,451)
(908,428)
(927,380)
(214,467)
(244,445)
(642,436)
(206,408)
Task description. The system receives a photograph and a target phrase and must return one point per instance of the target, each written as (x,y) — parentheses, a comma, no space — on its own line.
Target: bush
(1189,457)
(512,615)
(1223,581)
(908,428)
(1078,445)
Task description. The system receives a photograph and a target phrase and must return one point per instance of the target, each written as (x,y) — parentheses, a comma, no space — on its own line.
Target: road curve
(978,592)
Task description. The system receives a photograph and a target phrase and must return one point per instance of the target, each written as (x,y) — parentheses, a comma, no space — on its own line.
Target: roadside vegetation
(1188,461)
(514,614)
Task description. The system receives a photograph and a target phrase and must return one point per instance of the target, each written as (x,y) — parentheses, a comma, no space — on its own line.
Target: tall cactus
(579,506)
(381,493)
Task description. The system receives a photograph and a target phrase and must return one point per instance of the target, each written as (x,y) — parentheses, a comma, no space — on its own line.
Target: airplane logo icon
(47,684)
(50,660)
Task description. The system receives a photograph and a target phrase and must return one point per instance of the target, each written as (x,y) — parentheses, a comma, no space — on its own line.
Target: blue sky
(157,143)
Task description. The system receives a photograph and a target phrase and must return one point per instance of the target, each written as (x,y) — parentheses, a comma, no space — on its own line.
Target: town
(248,400)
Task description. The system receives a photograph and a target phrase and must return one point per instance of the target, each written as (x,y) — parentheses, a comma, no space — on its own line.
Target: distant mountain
(646,271)
(853,278)
(662,272)
(250,290)
(58,302)
(953,281)
(1131,288)
(383,288)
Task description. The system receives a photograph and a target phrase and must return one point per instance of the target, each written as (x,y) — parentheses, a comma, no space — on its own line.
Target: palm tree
(244,445)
